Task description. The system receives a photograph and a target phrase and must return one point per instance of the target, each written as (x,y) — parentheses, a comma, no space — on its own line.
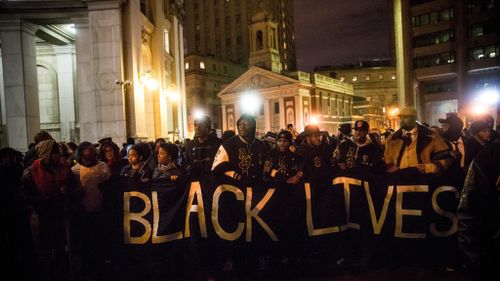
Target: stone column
(267,116)
(299,114)
(99,55)
(282,113)
(224,117)
(20,82)
(66,86)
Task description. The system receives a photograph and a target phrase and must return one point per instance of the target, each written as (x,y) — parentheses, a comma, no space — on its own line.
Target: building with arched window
(84,70)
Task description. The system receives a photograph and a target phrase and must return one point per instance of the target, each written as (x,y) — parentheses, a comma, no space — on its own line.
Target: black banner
(407,206)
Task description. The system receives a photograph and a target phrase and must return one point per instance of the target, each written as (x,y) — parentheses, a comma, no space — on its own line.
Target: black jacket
(279,166)
(367,156)
(200,155)
(472,148)
(316,160)
(479,212)
(238,159)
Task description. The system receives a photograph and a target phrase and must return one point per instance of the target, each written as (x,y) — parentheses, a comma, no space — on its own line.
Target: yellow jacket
(428,150)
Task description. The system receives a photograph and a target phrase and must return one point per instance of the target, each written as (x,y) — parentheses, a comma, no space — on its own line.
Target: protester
(90,174)
(359,152)
(479,215)
(282,166)
(415,146)
(316,155)
(345,132)
(110,154)
(168,170)
(201,150)
(137,168)
(292,131)
(451,131)
(480,136)
(31,156)
(241,157)
(45,182)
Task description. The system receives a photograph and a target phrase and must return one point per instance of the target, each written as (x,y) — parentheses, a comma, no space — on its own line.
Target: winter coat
(89,179)
(367,156)
(479,213)
(430,150)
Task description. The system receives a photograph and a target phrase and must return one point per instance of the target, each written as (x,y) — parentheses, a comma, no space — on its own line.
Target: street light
(314,120)
(249,103)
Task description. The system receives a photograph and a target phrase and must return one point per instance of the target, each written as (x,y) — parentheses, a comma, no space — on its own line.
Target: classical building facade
(447,53)
(86,69)
(375,89)
(298,98)
(220,32)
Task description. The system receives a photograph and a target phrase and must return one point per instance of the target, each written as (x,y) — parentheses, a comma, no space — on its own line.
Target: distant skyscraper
(220,28)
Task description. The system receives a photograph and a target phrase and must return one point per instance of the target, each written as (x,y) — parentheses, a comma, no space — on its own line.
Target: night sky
(336,32)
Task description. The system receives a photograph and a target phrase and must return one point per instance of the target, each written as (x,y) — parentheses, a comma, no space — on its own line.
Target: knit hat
(478,126)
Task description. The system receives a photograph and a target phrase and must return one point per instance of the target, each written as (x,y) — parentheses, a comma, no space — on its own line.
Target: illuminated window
(393,76)
(355,78)
(167,42)
(186,65)
(342,78)
(381,76)
(367,77)
(202,65)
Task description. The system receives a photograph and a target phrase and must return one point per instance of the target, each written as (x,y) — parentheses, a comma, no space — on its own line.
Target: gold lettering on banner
(400,212)
(156,219)
(347,199)
(138,217)
(231,236)
(378,224)
(309,217)
(439,211)
(195,189)
(254,213)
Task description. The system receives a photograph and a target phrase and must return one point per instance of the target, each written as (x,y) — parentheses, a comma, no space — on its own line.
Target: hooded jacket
(47,179)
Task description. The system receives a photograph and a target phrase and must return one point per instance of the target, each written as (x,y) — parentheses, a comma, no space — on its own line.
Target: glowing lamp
(249,103)
(314,120)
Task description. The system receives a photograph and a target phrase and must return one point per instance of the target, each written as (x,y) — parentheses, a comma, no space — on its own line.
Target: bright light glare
(314,120)
(487,96)
(152,84)
(394,111)
(479,109)
(173,95)
(198,114)
(249,103)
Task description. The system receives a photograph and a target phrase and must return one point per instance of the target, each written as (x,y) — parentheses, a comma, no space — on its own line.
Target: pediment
(257,78)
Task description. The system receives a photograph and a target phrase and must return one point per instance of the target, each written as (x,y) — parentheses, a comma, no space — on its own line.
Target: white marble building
(87,69)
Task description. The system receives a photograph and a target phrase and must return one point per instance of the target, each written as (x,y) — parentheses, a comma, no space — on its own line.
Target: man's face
(245,129)
(484,135)
(200,128)
(133,157)
(283,144)
(314,139)
(360,135)
(89,156)
(408,122)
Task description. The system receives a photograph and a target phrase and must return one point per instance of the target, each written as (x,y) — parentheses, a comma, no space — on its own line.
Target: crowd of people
(58,190)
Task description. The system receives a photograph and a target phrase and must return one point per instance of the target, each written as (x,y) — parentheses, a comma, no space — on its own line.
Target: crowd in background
(55,194)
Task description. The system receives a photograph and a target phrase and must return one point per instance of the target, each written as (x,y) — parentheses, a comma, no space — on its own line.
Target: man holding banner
(415,146)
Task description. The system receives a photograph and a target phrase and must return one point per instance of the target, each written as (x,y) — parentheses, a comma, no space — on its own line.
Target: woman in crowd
(138,157)
(110,154)
(168,169)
